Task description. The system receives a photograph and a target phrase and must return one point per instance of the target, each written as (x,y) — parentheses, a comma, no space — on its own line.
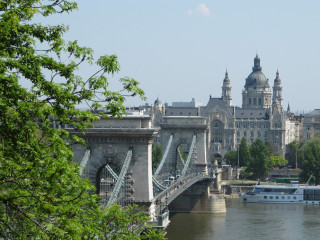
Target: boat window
(294,197)
(282,197)
(311,194)
(277,197)
(288,197)
(271,197)
(265,197)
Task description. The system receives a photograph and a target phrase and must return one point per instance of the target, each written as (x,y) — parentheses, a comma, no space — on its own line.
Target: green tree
(156,155)
(278,160)
(126,223)
(231,158)
(261,163)
(293,150)
(42,195)
(183,154)
(310,156)
(244,153)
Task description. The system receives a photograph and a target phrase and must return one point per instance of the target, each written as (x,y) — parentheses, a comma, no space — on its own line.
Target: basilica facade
(260,116)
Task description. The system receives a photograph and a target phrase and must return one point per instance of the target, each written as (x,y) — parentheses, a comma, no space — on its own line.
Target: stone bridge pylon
(180,132)
(108,144)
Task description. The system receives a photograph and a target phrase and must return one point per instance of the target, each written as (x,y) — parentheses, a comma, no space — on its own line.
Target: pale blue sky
(180,49)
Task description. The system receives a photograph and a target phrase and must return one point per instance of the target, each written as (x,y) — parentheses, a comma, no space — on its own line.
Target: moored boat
(293,193)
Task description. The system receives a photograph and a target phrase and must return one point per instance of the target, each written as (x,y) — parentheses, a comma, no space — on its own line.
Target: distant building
(261,116)
(311,125)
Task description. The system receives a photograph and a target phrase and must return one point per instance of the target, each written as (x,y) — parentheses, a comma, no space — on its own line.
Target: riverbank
(231,188)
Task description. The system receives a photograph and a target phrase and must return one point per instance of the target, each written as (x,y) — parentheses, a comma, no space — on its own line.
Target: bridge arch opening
(106,179)
(182,152)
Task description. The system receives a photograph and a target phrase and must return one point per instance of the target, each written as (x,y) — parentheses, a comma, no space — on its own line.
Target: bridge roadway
(164,198)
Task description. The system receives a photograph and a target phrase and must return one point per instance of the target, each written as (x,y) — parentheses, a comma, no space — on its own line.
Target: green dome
(257,78)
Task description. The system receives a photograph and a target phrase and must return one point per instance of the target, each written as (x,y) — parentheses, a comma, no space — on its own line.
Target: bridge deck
(165,197)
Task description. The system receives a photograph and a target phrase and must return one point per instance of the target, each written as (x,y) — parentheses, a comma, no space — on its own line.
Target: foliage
(310,156)
(231,158)
(278,160)
(293,150)
(183,154)
(156,155)
(244,153)
(42,195)
(126,223)
(261,163)
(245,173)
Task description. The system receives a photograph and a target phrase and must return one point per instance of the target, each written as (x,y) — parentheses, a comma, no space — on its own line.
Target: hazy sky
(180,49)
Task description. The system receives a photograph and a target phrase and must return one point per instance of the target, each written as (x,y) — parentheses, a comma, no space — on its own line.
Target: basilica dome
(257,78)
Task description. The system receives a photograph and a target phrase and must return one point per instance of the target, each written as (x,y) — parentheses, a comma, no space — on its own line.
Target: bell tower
(226,90)
(277,91)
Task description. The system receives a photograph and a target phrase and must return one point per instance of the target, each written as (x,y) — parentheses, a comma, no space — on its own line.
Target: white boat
(293,193)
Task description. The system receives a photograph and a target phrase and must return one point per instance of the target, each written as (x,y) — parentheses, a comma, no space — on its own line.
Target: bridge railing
(166,197)
(176,183)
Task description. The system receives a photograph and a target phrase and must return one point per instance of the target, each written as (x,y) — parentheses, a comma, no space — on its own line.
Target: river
(249,221)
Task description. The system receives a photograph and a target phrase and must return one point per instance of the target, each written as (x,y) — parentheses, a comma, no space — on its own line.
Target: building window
(252,125)
(252,133)
(265,134)
(260,102)
(249,101)
(258,125)
(245,133)
(308,135)
(238,125)
(238,134)
(251,140)
(238,140)
(245,125)
(254,101)
(265,125)
(308,127)
(259,134)
(276,125)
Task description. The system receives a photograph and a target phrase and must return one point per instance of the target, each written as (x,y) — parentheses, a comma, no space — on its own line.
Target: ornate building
(261,115)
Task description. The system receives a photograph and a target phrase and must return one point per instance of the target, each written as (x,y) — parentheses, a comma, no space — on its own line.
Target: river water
(249,221)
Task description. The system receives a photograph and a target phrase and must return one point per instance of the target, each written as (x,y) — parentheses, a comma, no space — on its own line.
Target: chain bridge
(117,159)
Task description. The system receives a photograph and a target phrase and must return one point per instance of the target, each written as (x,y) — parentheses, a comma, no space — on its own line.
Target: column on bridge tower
(142,172)
(201,151)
